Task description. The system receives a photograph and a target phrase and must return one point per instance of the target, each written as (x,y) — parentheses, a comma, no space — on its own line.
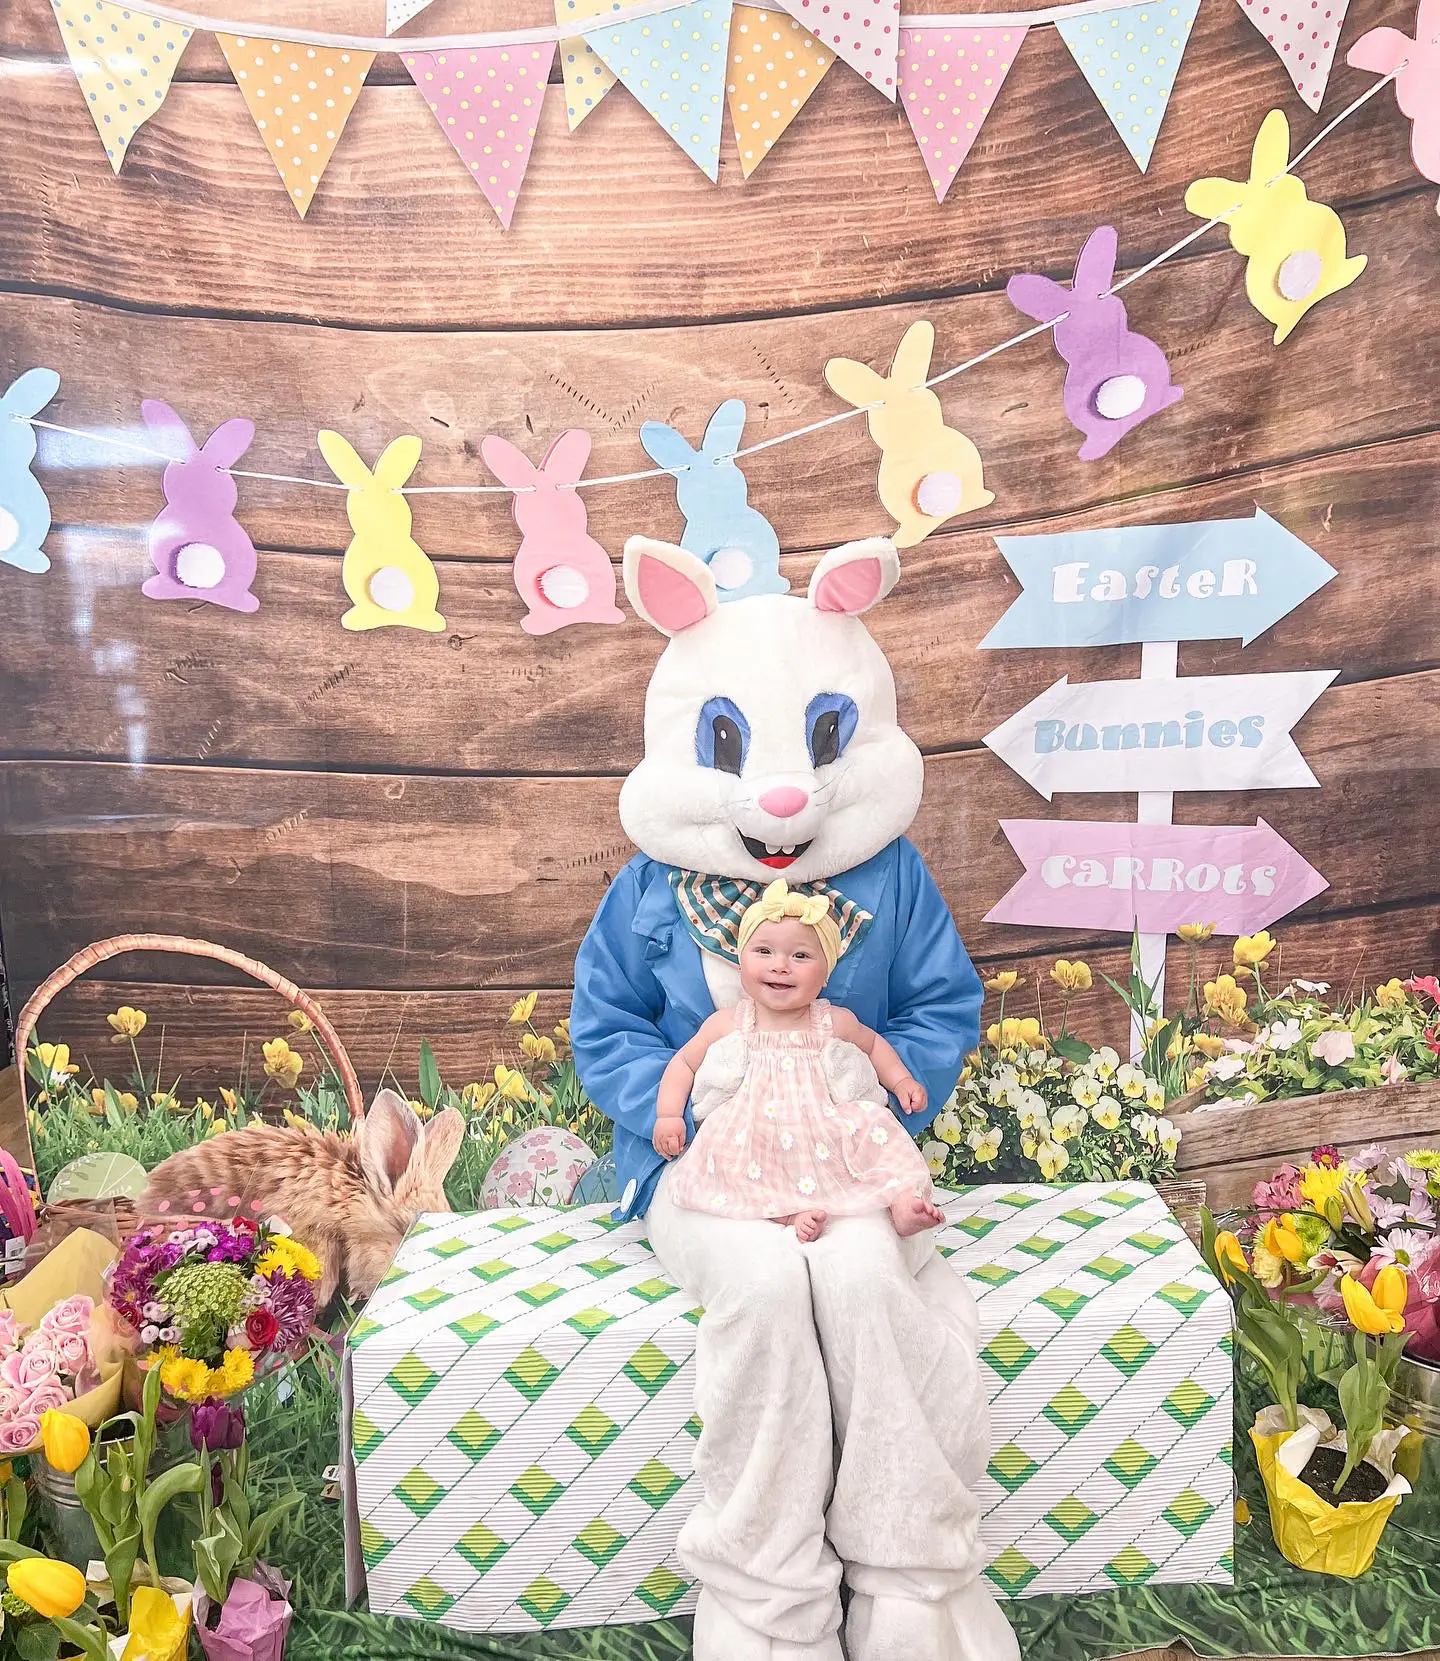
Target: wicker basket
(1185,1199)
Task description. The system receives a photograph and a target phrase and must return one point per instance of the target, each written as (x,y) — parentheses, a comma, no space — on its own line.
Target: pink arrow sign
(1102,875)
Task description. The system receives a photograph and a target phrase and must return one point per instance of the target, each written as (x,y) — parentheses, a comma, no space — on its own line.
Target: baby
(779,1083)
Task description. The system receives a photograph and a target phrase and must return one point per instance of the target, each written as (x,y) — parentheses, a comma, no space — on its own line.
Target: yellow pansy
(537,1048)
(1106,1113)
(1194,932)
(1052,1158)
(1072,977)
(1392,995)
(127,1023)
(54,1590)
(984,1144)
(522,1009)
(950,1129)
(1382,1308)
(1208,1043)
(1005,981)
(1226,1000)
(1251,950)
(1228,1250)
(1010,1032)
(300,1021)
(1085,1090)
(282,1063)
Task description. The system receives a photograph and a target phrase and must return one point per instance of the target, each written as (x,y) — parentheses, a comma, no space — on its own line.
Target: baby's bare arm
(678,1079)
(889,1068)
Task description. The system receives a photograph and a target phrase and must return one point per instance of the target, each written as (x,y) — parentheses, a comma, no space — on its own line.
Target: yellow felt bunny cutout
(1296,247)
(928,472)
(386,573)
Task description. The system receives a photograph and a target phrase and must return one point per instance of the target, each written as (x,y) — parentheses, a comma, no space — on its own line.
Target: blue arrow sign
(1220,579)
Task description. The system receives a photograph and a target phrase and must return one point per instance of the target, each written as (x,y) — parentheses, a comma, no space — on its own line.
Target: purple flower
(292,1303)
(1281,1193)
(217,1425)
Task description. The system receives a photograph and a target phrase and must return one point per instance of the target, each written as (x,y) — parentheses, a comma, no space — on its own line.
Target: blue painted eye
(722,737)
(830,724)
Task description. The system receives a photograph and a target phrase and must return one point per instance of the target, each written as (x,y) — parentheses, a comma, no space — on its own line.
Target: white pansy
(1227,1067)
(935,1154)
(1169,1137)
(1105,1061)
(1154,1096)
(984,1144)
(1106,1113)
(950,1128)
(1085,1089)
(1052,1159)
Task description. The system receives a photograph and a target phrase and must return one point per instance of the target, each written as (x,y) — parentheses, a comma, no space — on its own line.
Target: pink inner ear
(851,587)
(671,599)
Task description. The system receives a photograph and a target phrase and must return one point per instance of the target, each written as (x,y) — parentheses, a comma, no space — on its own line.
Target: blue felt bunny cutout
(736,541)
(24,506)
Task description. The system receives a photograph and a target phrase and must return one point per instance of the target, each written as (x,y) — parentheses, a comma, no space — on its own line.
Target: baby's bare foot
(809,1225)
(912,1215)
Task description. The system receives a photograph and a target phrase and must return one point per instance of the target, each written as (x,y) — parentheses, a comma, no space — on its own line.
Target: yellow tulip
(1072,977)
(1229,1250)
(1392,995)
(1251,950)
(51,1589)
(1281,1237)
(522,1009)
(1376,1312)
(55,1059)
(65,1438)
(157,1628)
(1194,932)
(510,1083)
(97,1103)
(1391,1289)
(1223,998)
(538,1049)
(127,1023)
(1006,981)
(229,1098)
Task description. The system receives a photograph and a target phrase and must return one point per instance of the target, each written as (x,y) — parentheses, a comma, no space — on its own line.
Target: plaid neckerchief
(711,909)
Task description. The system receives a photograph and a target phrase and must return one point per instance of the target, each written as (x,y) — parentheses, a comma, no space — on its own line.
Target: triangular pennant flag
(865,33)
(399,12)
(300,98)
(124,62)
(674,65)
(1131,59)
(949,81)
(587,80)
(488,105)
(774,67)
(1304,38)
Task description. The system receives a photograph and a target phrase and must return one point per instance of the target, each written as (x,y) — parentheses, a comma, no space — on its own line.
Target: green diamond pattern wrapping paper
(522,1422)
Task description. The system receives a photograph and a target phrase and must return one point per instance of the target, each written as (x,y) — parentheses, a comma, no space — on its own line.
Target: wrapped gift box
(519,1400)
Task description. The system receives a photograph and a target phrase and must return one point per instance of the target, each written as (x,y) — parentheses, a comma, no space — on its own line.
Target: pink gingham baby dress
(781,1145)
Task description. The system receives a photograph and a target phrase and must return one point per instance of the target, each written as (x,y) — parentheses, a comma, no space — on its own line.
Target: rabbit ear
(439,1144)
(166,424)
(344,460)
(666,447)
(1038,297)
(1271,154)
(29,393)
(1213,198)
(670,588)
(388,1136)
(1095,267)
(856,383)
(509,465)
(912,356)
(724,429)
(855,577)
(397,461)
(565,459)
(230,440)
(1382,49)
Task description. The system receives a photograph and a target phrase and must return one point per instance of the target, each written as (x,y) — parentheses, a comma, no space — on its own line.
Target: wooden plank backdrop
(420,827)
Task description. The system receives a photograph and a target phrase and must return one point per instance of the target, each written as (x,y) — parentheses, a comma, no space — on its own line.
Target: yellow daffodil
(282,1063)
(1208,1043)
(1010,1032)
(1392,995)
(1251,950)
(296,1121)
(65,1438)
(126,1023)
(421,1110)
(164,1101)
(1281,1237)
(1382,1308)
(52,1589)
(300,1021)
(1228,1250)
(1195,932)
(217,1127)
(1072,977)
(522,1009)
(158,1630)
(203,1108)
(510,1083)
(229,1098)
(1005,981)
(1320,1187)
(1226,1000)
(538,1049)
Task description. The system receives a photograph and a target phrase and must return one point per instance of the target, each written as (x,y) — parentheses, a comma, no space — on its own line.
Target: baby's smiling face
(782,966)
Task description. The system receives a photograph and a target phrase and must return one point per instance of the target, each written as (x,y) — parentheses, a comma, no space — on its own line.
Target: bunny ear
(666,447)
(1271,154)
(670,588)
(912,356)
(1213,198)
(856,383)
(230,440)
(29,393)
(855,577)
(344,460)
(509,465)
(1382,49)
(397,461)
(724,429)
(1095,267)
(166,424)
(387,1136)
(1038,297)
(565,459)
(439,1144)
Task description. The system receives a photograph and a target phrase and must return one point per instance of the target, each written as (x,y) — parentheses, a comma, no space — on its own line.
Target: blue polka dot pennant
(674,64)
(1131,59)
(124,62)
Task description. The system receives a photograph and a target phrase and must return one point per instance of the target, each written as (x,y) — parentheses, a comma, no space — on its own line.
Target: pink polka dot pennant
(1304,34)
(488,105)
(949,81)
(865,33)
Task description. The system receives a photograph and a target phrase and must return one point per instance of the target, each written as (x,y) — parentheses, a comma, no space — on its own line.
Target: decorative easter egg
(99,1176)
(541,1166)
(599,1185)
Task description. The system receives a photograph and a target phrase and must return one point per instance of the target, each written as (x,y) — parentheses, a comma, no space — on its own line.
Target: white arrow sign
(1207,732)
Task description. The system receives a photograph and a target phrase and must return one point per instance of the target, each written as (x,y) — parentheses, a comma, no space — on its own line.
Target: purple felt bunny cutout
(1116,378)
(199,549)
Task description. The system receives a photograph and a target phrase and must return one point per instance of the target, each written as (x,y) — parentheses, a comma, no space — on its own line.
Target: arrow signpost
(1155,585)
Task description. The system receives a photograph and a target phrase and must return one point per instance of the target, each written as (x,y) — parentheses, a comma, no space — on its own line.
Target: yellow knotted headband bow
(813,910)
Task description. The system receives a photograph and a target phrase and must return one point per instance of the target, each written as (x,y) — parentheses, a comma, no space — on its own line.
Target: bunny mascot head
(773,748)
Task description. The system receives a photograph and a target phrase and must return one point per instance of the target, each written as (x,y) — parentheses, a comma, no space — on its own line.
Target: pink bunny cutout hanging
(199,549)
(1417,85)
(1116,378)
(561,572)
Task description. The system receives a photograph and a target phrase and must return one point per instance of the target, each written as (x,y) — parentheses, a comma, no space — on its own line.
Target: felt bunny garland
(24,506)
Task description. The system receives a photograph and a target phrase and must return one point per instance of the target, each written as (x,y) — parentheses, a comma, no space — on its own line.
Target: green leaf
(16,1503)
(1072,1048)
(169,1485)
(37,1642)
(120,1566)
(429,1075)
(89,1640)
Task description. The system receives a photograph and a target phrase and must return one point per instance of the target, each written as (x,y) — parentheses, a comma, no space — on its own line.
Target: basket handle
(89,956)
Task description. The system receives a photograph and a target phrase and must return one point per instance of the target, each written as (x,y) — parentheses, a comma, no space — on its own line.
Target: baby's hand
(910,1093)
(669,1137)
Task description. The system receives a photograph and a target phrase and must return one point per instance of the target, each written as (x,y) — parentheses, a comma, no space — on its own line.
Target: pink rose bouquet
(46,1367)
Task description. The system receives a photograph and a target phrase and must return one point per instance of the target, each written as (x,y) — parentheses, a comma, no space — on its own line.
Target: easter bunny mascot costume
(772,746)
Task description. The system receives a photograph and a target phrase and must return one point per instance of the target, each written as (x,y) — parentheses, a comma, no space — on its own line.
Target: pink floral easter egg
(540,1167)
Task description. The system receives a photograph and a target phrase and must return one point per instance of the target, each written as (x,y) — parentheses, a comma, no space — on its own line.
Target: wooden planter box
(1232,1148)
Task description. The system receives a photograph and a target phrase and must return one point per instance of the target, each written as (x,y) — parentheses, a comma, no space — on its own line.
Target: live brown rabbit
(350,1199)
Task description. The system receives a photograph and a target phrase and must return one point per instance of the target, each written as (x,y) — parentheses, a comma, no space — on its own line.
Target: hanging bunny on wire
(24,506)
(736,541)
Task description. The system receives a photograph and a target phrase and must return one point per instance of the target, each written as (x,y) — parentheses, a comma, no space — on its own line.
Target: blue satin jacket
(640,994)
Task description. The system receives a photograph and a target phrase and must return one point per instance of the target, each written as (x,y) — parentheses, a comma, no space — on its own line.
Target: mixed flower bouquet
(215,1302)
(43,1369)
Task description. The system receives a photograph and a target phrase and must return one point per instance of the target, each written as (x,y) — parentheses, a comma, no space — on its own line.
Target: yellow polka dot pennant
(674,64)
(949,81)
(1131,59)
(488,105)
(124,62)
(587,80)
(774,67)
(299,98)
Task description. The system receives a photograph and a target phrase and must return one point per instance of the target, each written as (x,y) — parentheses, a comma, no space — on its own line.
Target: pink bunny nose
(785,801)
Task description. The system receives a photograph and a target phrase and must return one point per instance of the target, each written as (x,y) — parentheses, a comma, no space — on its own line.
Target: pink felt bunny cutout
(199,549)
(1417,86)
(1117,378)
(561,572)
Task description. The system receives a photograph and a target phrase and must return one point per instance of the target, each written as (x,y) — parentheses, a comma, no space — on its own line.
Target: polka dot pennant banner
(774,67)
(674,64)
(300,98)
(124,62)
(1304,34)
(1131,59)
(488,105)
(587,80)
(399,12)
(949,81)
(865,33)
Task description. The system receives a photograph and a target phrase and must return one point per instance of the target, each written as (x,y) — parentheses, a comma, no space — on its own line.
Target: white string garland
(795,432)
